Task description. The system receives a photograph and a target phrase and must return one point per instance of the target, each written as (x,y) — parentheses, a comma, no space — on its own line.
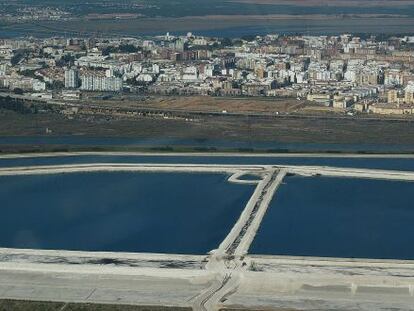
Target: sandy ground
(72,286)
(326,284)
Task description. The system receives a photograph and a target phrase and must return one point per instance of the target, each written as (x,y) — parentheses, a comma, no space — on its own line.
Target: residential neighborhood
(346,73)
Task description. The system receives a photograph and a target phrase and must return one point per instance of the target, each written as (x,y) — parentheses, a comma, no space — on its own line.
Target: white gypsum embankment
(227,262)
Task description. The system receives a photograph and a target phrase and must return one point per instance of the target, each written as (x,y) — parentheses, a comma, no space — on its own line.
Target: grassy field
(250,129)
(200,119)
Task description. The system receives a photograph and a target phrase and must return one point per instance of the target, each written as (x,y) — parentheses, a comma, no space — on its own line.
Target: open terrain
(201,119)
(208,104)
(225,128)
(21,305)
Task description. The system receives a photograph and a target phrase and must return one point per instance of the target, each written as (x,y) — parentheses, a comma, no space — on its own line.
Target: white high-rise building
(156,68)
(98,83)
(71,78)
(3,69)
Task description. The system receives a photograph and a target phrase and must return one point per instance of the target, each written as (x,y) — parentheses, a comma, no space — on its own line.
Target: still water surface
(129,212)
(339,217)
(192,213)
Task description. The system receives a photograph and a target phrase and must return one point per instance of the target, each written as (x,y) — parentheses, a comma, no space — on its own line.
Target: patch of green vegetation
(17,105)
(17,305)
(25,149)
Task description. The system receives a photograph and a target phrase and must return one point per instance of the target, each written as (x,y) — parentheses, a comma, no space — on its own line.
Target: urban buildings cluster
(347,73)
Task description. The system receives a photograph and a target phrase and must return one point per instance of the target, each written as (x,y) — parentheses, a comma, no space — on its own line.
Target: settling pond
(339,217)
(128,212)
(192,213)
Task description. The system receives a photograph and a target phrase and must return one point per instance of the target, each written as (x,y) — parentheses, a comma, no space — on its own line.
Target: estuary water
(129,212)
(199,143)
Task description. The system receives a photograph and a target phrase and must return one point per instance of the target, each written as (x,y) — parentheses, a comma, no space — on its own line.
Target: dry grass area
(208,104)
(217,104)
(316,110)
